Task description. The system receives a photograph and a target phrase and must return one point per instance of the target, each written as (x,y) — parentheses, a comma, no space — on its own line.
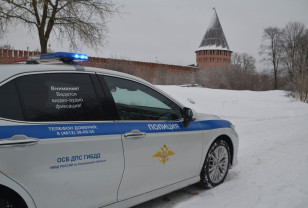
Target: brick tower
(214,51)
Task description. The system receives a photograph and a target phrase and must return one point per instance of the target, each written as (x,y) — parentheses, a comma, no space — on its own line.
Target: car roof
(9,70)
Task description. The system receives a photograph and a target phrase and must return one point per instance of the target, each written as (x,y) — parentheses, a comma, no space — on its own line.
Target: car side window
(135,101)
(59,97)
(10,106)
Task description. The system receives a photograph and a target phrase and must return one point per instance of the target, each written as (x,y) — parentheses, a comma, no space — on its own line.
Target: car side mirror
(187,115)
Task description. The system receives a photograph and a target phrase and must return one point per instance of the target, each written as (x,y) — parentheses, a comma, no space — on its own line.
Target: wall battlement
(155,73)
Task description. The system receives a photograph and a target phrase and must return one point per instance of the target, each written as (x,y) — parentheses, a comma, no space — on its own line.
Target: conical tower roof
(214,38)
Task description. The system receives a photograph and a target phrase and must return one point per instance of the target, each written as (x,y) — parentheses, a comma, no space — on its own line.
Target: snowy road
(273,154)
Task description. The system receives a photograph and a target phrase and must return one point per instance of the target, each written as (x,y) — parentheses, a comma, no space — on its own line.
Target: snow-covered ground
(273,153)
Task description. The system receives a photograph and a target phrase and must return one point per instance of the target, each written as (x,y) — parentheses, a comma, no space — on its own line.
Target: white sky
(169,31)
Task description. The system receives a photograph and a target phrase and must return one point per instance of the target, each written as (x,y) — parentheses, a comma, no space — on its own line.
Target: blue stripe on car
(48,131)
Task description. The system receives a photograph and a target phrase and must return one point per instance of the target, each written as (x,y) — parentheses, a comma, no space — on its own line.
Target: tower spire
(214,37)
(214,51)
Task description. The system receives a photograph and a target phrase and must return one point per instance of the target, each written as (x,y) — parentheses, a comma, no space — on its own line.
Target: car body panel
(99,167)
(59,166)
(162,157)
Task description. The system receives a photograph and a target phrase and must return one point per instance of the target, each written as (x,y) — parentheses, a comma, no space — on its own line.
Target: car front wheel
(216,164)
(10,199)
(5,203)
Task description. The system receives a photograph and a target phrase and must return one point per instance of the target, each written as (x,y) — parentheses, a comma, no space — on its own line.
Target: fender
(209,137)
(10,183)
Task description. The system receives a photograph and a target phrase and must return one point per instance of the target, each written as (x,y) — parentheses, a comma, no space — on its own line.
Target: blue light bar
(64,56)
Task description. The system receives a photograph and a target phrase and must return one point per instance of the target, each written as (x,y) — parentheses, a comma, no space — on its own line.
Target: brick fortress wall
(9,56)
(154,73)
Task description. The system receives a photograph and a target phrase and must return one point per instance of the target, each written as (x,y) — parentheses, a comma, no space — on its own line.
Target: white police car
(88,137)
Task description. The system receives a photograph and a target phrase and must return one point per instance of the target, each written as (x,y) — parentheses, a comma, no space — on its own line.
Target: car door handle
(134,134)
(18,140)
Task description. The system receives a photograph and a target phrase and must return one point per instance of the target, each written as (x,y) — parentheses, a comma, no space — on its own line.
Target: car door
(158,150)
(58,141)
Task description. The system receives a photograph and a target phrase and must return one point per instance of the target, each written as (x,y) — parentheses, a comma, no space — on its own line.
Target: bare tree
(242,71)
(7,46)
(241,75)
(271,49)
(2,26)
(243,62)
(73,20)
(295,59)
(2,30)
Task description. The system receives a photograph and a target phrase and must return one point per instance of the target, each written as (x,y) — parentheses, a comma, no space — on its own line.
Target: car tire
(216,164)
(5,203)
(11,201)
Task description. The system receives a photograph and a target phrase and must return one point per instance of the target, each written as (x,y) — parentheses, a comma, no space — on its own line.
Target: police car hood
(203,116)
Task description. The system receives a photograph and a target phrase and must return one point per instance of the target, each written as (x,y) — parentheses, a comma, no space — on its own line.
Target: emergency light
(50,58)
(65,57)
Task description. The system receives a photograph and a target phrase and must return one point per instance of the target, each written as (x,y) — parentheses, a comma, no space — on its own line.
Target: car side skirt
(153,194)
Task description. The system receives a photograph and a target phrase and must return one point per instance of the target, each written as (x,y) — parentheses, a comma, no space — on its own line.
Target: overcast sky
(169,31)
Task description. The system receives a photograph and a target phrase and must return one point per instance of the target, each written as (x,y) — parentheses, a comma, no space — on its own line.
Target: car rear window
(59,97)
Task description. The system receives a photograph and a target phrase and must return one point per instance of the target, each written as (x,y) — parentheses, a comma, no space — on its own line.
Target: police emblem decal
(164,154)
